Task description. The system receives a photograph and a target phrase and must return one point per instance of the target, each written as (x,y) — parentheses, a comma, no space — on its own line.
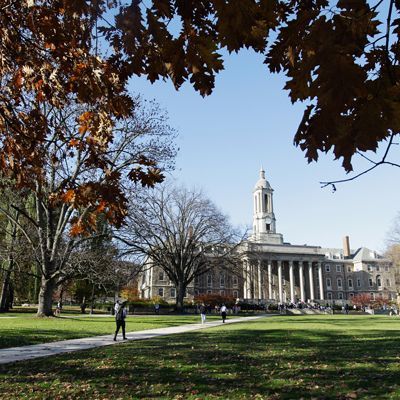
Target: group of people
(203,311)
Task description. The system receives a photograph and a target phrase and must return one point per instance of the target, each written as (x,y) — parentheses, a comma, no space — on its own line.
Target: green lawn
(24,329)
(306,357)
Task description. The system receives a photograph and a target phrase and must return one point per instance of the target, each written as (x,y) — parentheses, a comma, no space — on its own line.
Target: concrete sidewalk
(22,353)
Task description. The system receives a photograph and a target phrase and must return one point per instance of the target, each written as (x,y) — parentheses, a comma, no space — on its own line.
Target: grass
(305,357)
(25,329)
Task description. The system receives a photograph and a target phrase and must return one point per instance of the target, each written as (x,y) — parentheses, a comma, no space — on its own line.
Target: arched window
(378,281)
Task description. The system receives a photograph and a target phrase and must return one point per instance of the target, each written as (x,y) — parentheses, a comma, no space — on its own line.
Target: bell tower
(264,222)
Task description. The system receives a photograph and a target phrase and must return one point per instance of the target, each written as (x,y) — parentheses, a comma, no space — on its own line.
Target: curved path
(22,353)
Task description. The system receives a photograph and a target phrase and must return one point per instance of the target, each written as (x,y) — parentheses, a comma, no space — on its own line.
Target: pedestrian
(59,308)
(346,309)
(223,312)
(203,313)
(157,308)
(120,315)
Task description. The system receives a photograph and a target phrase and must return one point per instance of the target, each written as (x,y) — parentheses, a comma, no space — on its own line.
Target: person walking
(223,312)
(59,308)
(203,313)
(120,315)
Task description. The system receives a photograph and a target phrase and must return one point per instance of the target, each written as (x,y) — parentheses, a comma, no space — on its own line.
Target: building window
(350,283)
(327,268)
(358,282)
(340,296)
(235,294)
(372,296)
(369,267)
(378,281)
(222,292)
(235,281)
(338,268)
(339,282)
(161,292)
(351,295)
(387,282)
(268,227)
(161,276)
(370,282)
(329,294)
(386,268)
(197,280)
(266,202)
(209,280)
(348,268)
(377,267)
(328,282)
(222,280)
(173,292)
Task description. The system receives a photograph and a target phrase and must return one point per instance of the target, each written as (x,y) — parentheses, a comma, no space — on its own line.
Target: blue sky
(248,121)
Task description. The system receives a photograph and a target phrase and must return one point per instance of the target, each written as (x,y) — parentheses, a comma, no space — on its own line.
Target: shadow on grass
(232,362)
(32,331)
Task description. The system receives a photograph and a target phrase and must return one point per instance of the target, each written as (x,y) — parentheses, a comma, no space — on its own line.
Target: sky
(249,122)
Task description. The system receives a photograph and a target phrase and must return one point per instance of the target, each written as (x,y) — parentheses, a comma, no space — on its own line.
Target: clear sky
(249,121)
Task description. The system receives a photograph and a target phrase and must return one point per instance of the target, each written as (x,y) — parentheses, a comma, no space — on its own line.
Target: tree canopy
(340,58)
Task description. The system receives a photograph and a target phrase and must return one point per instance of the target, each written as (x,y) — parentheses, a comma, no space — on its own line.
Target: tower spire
(262,172)
(264,222)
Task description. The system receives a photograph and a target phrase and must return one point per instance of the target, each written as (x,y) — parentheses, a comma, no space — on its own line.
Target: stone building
(275,271)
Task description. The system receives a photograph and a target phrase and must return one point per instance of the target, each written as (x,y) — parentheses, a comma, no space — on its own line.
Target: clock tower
(264,222)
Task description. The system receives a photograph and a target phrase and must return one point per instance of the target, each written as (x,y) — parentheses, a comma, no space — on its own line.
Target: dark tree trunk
(180,295)
(46,292)
(6,288)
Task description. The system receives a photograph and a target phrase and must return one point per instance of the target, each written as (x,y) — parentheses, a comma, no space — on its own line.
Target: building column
(280,294)
(321,283)
(310,273)
(291,282)
(251,281)
(270,280)
(245,279)
(301,274)
(260,296)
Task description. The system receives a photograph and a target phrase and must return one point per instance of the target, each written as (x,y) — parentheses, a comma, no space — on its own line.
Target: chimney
(346,247)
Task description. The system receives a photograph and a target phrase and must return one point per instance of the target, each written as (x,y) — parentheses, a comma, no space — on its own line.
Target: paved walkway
(21,353)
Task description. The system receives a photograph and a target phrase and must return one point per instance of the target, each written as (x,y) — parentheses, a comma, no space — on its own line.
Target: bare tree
(75,190)
(393,247)
(182,232)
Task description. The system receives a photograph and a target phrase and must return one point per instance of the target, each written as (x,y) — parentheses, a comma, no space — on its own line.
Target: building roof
(363,254)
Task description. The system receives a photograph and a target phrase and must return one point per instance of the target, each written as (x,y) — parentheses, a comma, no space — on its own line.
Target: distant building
(278,272)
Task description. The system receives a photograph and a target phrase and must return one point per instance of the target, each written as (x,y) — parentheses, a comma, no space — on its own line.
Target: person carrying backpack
(120,315)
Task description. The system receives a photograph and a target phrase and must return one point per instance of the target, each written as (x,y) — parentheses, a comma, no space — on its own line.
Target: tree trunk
(46,298)
(5,289)
(180,295)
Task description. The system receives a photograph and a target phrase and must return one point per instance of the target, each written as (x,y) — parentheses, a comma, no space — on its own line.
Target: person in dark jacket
(120,315)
